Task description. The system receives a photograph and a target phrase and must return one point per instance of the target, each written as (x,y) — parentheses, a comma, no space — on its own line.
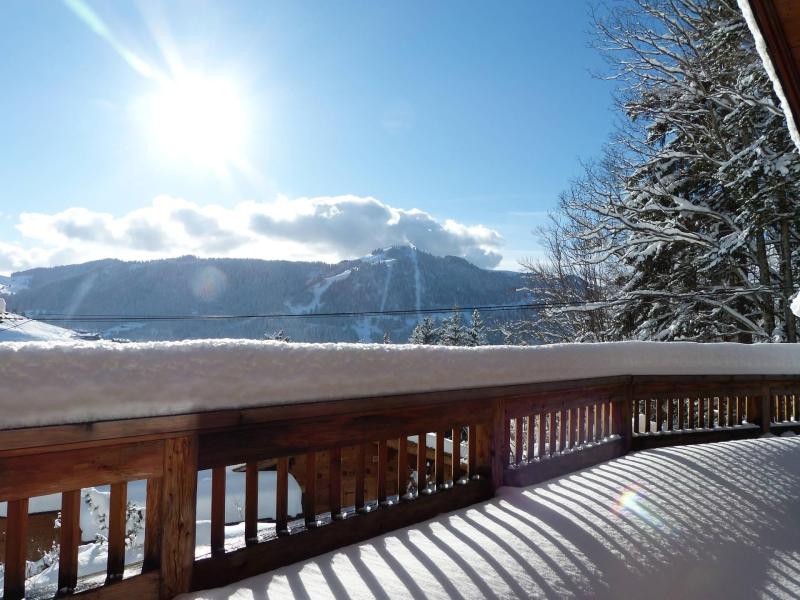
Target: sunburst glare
(199,119)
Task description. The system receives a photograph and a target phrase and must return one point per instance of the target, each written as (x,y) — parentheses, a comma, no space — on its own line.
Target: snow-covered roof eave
(763,51)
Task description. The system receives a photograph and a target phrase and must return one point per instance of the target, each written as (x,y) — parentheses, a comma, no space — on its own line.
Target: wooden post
(383,460)
(117,510)
(623,419)
(251,503)
(494,445)
(335,483)
(310,498)
(282,496)
(218,477)
(402,467)
(153,526)
(763,411)
(70,539)
(179,504)
(16,549)
(422,463)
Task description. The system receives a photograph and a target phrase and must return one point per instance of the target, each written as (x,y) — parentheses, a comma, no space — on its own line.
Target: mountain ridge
(395,278)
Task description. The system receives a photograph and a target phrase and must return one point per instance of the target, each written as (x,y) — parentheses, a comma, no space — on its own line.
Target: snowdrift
(44,383)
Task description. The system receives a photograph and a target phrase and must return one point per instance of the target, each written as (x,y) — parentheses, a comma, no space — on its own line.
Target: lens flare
(633,501)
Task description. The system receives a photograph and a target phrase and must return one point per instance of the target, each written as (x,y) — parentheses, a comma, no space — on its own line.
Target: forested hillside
(399,278)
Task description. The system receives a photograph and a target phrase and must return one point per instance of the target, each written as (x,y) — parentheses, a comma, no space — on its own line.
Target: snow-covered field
(69,382)
(706,521)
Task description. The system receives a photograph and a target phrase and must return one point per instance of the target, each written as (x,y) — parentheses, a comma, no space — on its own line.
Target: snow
(72,382)
(15,328)
(796,304)
(14,283)
(763,52)
(692,522)
(318,290)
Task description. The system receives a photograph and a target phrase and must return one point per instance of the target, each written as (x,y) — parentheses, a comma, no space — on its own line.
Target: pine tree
(278,336)
(386,339)
(424,333)
(452,332)
(477,332)
(688,213)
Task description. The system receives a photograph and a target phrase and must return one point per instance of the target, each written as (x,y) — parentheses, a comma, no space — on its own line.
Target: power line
(601,303)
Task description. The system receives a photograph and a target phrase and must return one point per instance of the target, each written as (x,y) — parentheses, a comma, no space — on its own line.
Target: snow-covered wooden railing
(434,451)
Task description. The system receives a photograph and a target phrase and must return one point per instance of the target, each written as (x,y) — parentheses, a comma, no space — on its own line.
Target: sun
(198,119)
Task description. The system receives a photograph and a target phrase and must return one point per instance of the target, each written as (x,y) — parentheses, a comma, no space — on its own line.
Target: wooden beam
(52,472)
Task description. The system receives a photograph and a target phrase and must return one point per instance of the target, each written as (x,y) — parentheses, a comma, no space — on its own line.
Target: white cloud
(322,228)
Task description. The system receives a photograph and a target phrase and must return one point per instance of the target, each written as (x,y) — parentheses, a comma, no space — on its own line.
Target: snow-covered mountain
(397,278)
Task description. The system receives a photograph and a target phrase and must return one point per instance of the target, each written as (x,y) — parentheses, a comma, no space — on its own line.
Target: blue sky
(348,117)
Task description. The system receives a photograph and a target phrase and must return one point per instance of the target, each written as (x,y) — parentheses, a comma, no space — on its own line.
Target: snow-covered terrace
(706,521)
(186,430)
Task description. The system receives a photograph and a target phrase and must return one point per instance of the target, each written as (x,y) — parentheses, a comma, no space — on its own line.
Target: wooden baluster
(592,435)
(310,498)
(440,485)
(16,549)
(648,416)
(218,477)
(785,408)
(422,463)
(472,451)
(505,445)
(552,433)
(796,408)
(607,409)
(455,470)
(691,413)
(636,409)
(402,462)
(562,430)
(282,496)
(383,462)
(118,503)
(601,421)
(153,525)
(681,413)
(518,439)
(710,413)
(581,438)
(542,426)
(670,413)
(531,436)
(179,515)
(69,540)
(571,418)
(251,503)
(335,481)
(360,504)
(737,407)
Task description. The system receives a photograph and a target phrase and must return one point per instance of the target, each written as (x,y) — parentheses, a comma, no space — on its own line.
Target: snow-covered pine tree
(692,211)
(424,333)
(453,332)
(278,336)
(477,331)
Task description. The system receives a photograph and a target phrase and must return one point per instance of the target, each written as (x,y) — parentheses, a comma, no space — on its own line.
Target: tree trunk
(788,280)
(765,280)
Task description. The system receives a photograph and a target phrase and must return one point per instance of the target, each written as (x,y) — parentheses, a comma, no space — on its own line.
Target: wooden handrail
(516,435)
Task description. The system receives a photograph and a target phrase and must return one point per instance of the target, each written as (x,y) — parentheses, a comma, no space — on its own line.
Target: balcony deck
(705,521)
(693,504)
